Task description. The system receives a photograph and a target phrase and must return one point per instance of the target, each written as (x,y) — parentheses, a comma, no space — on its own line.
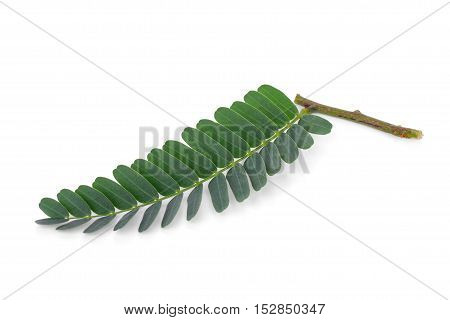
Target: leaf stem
(357,116)
(229,166)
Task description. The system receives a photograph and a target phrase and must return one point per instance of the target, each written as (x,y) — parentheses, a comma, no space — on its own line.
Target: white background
(64,122)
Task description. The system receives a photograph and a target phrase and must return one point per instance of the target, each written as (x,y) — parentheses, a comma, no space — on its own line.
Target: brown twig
(357,116)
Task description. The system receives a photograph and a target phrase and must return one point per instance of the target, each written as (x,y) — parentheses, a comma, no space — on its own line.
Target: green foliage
(300,136)
(53,208)
(247,142)
(172,210)
(219,192)
(237,179)
(315,124)
(149,216)
(193,202)
(256,170)
(125,219)
(272,158)
(287,147)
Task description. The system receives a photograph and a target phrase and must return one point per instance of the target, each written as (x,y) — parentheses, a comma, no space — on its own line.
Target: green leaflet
(256,170)
(230,140)
(53,208)
(315,124)
(256,117)
(98,224)
(125,219)
(74,203)
(300,136)
(219,192)
(50,221)
(237,179)
(73,224)
(204,144)
(287,148)
(180,172)
(202,166)
(163,182)
(171,210)
(149,216)
(239,125)
(266,106)
(119,196)
(272,158)
(193,202)
(136,184)
(280,99)
(96,200)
